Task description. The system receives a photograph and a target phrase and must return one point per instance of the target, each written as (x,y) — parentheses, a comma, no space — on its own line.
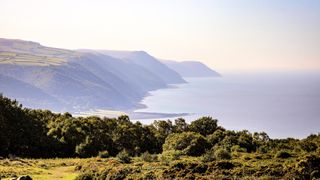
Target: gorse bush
(124,156)
(282,154)
(103,154)
(221,153)
(147,157)
(208,156)
(308,167)
(168,156)
(85,176)
(237,148)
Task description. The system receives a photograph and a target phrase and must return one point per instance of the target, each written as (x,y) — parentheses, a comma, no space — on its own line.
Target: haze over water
(281,104)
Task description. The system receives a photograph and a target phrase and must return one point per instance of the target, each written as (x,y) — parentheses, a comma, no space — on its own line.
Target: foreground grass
(45,169)
(241,166)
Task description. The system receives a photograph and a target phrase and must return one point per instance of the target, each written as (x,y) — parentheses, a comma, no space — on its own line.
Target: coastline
(132,112)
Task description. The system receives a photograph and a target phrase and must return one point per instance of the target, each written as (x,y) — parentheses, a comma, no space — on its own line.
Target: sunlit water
(281,104)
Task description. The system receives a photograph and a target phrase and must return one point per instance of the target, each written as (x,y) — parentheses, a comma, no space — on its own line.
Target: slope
(191,68)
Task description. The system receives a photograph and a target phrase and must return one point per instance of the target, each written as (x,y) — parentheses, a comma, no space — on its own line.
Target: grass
(33,54)
(242,165)
(63,173)
(29,59)
(45,169)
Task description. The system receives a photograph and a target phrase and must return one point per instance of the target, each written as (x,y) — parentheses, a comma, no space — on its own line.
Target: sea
(280,104)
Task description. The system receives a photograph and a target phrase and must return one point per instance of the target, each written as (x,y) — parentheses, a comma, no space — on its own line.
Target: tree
(204,125)
(189,143)
(216,137)
(180,125)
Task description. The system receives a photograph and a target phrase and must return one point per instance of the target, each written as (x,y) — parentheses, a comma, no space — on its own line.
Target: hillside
(19,52)
(148,62)
(79,80)
(191,68)
(27,93)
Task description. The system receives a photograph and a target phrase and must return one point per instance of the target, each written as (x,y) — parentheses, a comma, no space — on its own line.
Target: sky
(227,35)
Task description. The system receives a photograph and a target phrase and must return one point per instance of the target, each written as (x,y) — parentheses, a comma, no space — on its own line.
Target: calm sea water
(281,104)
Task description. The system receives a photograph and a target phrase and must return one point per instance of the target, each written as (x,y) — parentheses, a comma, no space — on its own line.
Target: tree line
(37,133)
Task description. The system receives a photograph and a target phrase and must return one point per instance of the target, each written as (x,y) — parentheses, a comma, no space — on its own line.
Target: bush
(309,167)
(222,154)
(189,143)
(147,157)
(172,155)
(237,148)
(149,176)
(103,154)
(224,165)
(85,176)
(216,137)
(282,154)
(208,156)
(120,173)
(263,149)
(124,156)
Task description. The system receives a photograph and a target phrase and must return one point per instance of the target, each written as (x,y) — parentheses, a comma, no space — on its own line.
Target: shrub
(103,154)
(224,165)
(149,176)
(222,154)
(216,137)
(237,148)
(208,156)
(147,157)
(282,154)
(308,146)
(120,173)
(124,156)
(189,143)
(172,155)
(263,149)
(309,167)
(104,174)
(268,178)
(85,176)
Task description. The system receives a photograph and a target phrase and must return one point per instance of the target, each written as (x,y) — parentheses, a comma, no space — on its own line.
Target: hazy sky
(226,35)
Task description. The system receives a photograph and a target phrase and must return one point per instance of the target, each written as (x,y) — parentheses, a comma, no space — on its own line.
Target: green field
(29,59)
(39,168)
(33,54)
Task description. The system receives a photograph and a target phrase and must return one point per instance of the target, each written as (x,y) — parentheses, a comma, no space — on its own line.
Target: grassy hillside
(29,59)
(80,80)
(29,53)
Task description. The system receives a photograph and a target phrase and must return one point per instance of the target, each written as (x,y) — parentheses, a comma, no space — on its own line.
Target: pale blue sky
(227,35)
